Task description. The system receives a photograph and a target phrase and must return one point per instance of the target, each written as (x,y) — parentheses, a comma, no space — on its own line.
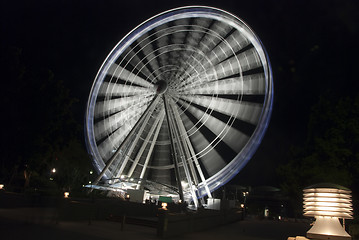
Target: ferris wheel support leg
(180,147)
(132,147)
(185,155)
(174,158)
(183,139)
(192,154)
(183,161)
(112,159)
(143,146)
(151,147)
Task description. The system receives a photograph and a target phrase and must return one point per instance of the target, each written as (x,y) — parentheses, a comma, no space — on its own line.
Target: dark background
(312,45)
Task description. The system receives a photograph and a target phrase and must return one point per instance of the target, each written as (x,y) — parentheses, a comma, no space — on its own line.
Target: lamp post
(327,203)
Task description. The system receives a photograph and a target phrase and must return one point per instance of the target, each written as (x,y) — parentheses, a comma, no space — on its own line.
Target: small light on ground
(66,194)
(164,206)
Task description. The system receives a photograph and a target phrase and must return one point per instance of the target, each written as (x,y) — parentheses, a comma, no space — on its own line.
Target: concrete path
(41,224)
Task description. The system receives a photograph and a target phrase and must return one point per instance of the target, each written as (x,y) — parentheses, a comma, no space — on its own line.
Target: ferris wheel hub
(161,87)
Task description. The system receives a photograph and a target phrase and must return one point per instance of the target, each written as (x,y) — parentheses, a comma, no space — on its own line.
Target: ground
(39,223)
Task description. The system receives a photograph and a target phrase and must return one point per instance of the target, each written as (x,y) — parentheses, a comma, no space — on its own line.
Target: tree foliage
(331,151)
(39,129)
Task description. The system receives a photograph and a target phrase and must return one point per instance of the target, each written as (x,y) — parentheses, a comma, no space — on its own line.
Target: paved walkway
(26,223)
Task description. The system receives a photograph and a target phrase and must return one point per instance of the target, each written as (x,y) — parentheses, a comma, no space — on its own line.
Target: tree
(73,166)
(38,125)
(330,153)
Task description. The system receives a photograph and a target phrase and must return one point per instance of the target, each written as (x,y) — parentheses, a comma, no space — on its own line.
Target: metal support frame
(133,145)
(154,139)
(149,109)
(143,147)
(173,153)
(152,145)
(183,157)
(191,153)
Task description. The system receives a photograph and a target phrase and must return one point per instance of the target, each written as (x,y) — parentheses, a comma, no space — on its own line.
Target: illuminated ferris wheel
(180,104)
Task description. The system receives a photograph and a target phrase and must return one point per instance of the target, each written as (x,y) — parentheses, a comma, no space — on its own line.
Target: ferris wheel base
(213,204)
(142,196)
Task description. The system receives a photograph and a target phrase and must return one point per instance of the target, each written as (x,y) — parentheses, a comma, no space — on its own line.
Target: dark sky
(312,45)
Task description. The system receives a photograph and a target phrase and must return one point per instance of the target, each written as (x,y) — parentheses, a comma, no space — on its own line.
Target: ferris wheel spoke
(124,76)
(229,60)
(162,49)
(221,50)
(149,59)
(148,54)
(250,98)
(110,124)
(216,32)
(240,63)
(133,63)
(109,116)
(204,124)
(210,161)
(249,82)
(250,88)
(191,70)
(232,53)
(224,130)
(223,109)
(117,89)
(210,42)
(140,58)
(118,105)
(231,46)
(196,34)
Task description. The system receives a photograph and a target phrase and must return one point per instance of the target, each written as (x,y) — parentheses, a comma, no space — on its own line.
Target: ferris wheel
(180,104)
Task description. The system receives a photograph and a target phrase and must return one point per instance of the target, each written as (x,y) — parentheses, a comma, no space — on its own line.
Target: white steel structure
(180,104)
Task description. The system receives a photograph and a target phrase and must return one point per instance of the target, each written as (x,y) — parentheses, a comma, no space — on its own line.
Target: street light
(327,203)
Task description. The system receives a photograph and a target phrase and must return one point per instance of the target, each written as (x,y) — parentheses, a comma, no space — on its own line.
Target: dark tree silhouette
(330,153)
(38,125)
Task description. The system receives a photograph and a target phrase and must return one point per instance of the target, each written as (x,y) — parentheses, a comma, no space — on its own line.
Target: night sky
(312,45)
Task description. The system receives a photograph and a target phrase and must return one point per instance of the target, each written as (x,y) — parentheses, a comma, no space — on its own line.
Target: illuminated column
(327,203)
